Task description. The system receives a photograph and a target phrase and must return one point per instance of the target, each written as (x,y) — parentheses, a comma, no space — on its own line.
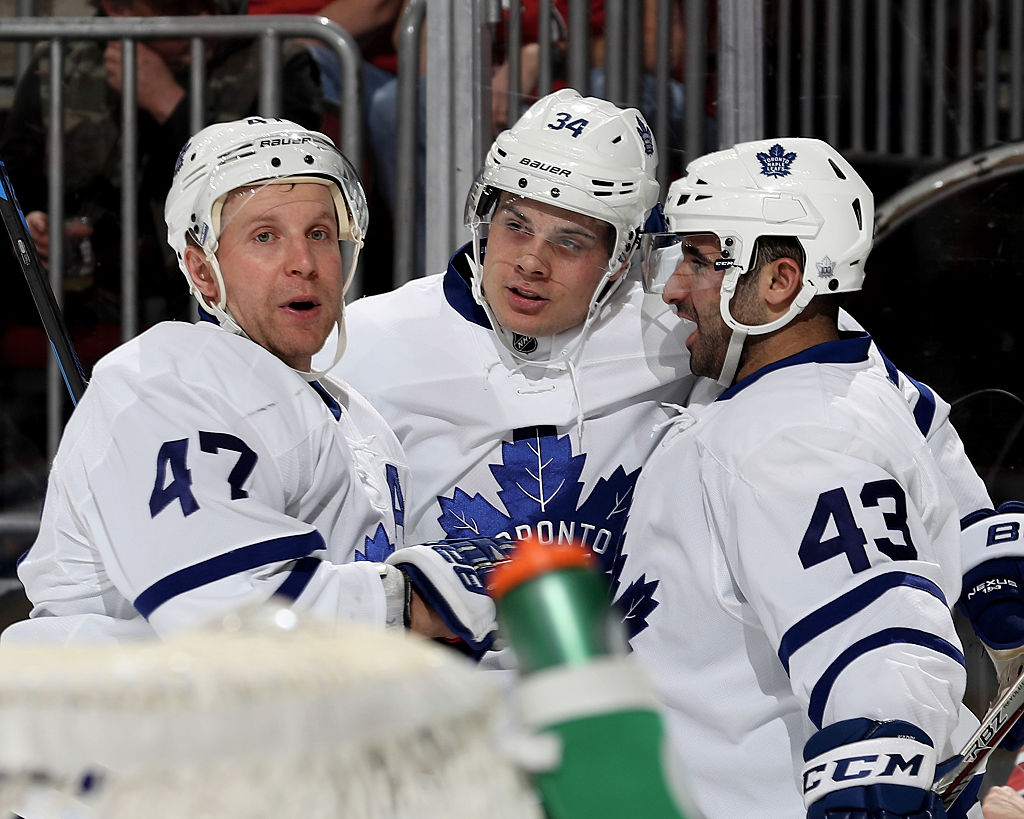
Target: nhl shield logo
(776,162)
(524,344)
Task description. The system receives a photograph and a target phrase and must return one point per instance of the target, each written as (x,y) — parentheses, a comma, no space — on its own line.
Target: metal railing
(269,31)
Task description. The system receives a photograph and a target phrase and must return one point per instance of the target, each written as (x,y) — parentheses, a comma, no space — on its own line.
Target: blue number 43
(173,458)
(834,507)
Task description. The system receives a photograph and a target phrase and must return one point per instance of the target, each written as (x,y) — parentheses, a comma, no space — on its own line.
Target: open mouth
(526,294)
(302,306)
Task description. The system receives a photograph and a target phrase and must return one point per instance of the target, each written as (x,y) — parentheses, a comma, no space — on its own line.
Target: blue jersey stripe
(328,399)
(216,568)
(298,578)
(846,606)
(891,636)
(924,410)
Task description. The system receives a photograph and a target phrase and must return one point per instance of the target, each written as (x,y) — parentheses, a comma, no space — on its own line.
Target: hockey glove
(993,600)
(863,769)
(451,577)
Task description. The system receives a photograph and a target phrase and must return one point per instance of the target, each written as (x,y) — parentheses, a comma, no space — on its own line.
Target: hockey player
(799,526)
(524,381)
(207,467)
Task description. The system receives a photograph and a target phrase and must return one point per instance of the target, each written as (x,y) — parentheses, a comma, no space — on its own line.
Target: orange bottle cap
(531,558)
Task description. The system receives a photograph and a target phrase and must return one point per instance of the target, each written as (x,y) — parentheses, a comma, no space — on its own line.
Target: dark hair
(769,248)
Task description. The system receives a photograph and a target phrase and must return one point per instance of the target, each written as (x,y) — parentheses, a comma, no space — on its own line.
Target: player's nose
(301,258)
(535,258)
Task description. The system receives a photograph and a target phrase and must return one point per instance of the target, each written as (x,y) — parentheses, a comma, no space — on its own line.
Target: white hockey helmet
(797,187)
(581,154)
(255,151)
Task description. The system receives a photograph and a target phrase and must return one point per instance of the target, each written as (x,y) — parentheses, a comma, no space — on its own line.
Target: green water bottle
(580,686)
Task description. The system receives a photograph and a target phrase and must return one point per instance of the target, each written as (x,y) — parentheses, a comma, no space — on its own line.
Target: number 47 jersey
(200,474)
(790,559)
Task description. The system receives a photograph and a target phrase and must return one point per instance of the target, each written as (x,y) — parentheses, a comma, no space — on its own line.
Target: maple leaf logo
(776,162)
(636,604)
(377,548)
(540,493)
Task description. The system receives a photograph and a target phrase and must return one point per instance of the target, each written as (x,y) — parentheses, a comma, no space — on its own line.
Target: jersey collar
(458,290)
(849,349)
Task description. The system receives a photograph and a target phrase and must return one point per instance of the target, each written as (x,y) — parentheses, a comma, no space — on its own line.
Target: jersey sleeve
(836,556)
(190,506)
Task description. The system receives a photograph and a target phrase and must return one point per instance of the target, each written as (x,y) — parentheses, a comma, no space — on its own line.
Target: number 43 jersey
(199,473)
(790,560)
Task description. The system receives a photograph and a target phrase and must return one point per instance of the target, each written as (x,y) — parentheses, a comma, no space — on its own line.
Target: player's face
(542,265)
(694,290)
(281,262)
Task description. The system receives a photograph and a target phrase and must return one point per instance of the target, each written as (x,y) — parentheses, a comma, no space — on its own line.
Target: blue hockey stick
(39,285)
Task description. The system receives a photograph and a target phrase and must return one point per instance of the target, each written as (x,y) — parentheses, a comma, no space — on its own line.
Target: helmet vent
(701,198)
(858,214)
(835,168)
(617,140)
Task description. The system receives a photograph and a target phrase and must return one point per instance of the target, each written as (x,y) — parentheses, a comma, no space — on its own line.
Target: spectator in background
(1002,802)
(1006,801)
(92,85)
(372,24)
(383,110)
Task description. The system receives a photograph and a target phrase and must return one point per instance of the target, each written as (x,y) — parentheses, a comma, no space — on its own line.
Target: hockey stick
(1000,718)
(39,285)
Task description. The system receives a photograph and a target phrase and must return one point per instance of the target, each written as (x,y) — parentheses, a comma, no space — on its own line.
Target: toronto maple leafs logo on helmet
(776,162)
(826,267)
(644,130)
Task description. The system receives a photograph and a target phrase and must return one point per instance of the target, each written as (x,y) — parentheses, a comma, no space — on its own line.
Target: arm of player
(841,560)
(199,505)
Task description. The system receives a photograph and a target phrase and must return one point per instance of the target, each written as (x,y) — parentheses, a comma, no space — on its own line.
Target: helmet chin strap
(570,345)
(740,331)
(223,315)
(732,357)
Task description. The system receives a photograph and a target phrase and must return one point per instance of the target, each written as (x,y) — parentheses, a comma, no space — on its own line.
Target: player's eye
(319,234)
(264,236)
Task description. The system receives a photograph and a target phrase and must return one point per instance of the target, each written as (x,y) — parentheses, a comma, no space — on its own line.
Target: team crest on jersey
(376,548)
(776,162)
(524,344)
(540,495)
(826,268)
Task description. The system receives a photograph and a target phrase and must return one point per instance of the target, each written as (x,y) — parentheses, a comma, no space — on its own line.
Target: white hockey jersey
(497,447)
(200,473)
(792,553)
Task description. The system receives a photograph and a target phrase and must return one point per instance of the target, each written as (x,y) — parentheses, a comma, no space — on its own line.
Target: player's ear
(781,280)
(200,273)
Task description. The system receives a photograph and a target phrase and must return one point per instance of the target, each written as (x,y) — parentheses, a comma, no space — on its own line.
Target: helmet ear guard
(255,152)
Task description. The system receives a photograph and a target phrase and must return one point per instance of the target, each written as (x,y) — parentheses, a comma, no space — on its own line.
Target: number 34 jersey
(791,556)
(200,473)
